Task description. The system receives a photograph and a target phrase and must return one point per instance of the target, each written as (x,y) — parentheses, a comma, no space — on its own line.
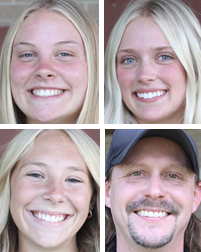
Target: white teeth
(47,217)
(152,214)
(47,92)
(150,95)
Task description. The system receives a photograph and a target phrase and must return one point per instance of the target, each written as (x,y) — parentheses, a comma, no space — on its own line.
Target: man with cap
(152,190)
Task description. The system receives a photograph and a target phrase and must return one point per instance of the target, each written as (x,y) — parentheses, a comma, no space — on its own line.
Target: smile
(46,92)
(152,214)
(150,95)
(49,218)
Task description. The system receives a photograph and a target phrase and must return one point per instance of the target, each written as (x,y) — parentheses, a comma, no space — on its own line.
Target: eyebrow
(56,44)
(130,50)
(41,164)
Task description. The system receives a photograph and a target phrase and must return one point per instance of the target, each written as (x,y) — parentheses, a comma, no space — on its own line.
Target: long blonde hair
(183,31)
(88,29)
(88,235)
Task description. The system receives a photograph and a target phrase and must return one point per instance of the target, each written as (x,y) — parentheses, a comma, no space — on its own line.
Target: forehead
(145,31)
(157,149)
(54,144)
(55,25)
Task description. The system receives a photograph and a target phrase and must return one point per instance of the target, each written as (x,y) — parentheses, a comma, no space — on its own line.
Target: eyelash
(67,54)
(25,55)
(73,180)
(133,60)
(139,173)
(165,55)
(126,59)
(35,175)
(176,176)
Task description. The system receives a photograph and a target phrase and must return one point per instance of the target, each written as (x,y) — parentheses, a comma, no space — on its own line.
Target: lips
(46,92)
(152,214)
(150,95)
(48,217)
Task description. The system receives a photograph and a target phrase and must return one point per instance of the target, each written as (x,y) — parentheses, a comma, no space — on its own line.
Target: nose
(154,188)
(54,193)
(146,72)
(45,70)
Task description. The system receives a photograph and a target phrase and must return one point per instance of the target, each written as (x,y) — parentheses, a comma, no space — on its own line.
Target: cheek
(125,78)
(81,199)
(76,76)
(19,74)
(175,77)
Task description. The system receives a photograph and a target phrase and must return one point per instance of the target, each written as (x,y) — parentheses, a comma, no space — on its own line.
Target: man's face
(152,194)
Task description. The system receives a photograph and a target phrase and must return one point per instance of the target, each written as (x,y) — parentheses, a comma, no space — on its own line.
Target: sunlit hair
(192,235)
(88,29)
(183,31)
(88,235)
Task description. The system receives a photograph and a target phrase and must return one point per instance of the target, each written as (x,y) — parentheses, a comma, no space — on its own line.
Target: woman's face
(51,192)
(151,77)
(48,69)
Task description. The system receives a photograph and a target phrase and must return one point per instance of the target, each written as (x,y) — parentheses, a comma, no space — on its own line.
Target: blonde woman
(49,192)
(49,65)
(153,65)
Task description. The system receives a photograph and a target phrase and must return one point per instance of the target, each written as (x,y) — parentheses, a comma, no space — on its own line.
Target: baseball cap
(124,139)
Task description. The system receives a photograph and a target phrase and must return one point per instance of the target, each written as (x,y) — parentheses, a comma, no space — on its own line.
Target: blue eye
(35,175)
(73,180)
(128,61)
(165,57)
(64,54)
(27,55)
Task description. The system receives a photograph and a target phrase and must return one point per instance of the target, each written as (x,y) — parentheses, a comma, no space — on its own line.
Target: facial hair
(152,242)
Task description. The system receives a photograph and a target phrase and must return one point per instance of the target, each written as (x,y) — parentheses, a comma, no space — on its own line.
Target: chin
(48,242)
(151,117)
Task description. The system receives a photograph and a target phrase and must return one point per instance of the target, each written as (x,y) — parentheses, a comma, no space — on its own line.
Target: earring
(89,214)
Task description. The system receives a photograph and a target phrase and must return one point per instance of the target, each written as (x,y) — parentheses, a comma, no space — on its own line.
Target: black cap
(124,139)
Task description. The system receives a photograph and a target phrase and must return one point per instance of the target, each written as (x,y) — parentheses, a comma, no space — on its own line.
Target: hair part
(88,29)
(88,235)
(183,31)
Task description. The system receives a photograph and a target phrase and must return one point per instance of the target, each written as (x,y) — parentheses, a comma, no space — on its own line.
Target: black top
(185,250)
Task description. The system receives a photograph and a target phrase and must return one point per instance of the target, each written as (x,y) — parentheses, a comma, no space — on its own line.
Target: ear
(197,197)
(107,193)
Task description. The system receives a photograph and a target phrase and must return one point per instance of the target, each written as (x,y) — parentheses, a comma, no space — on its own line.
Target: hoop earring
(89,214)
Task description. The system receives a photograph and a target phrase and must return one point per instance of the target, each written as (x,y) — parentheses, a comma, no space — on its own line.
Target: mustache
(146,203)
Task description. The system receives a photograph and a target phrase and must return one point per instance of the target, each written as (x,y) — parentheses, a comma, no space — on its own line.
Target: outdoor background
(10,9)
(194,133)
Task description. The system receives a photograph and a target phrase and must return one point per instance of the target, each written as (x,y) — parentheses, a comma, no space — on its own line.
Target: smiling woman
(49,192)
(51,69)
(152,65)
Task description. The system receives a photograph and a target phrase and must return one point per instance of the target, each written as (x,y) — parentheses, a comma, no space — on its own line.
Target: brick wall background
(10,9)
(194,133)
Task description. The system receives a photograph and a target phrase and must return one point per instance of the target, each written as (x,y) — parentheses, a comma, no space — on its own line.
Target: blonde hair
(88,235)
(88,30)
(183,31)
